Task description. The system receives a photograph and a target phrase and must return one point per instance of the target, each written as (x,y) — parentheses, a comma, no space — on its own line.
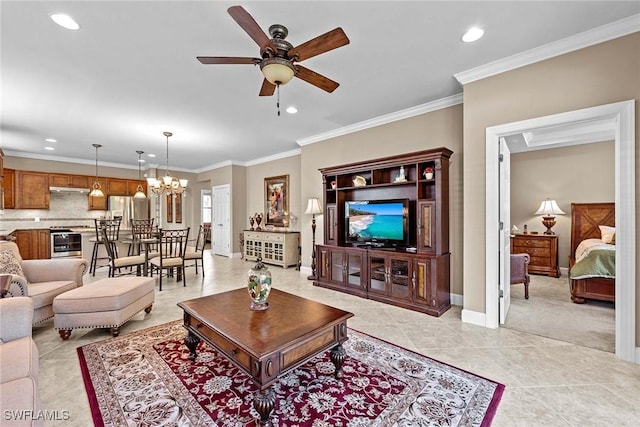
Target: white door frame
(219,247)
(620,118)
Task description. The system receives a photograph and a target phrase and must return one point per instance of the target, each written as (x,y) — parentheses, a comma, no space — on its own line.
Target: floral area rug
(146,379)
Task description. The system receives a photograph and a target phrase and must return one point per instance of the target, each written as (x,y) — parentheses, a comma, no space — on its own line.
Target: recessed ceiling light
(151,155)
(472,34)
(65,21)
(141,161)
(49,148)
(50,140)
(292,110)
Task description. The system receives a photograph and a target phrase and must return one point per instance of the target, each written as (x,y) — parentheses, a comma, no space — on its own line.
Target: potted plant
(428,173)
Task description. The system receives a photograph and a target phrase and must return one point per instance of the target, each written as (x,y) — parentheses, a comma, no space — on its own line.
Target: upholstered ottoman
(106,303)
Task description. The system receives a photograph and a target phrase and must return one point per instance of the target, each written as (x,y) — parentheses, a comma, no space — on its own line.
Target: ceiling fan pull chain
(278,101)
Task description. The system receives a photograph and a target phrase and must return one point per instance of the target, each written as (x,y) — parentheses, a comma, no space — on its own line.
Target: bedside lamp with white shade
(548,208)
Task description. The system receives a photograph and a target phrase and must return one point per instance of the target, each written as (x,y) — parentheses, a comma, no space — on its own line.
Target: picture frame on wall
(178,208)
(276,190)
(169,207)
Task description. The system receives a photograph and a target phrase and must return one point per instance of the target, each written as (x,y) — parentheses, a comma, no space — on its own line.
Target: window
(205,198)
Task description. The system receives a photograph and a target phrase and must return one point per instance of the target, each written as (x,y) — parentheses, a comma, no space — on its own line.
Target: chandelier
(167,184)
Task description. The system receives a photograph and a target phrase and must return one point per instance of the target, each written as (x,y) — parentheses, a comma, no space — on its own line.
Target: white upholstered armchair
(40,279)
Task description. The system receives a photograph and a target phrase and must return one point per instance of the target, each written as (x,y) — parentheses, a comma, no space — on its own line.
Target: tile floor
(548,382)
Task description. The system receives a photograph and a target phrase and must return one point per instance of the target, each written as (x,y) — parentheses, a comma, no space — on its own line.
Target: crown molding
(382,120)
(24,155)
(588,38)
(278,156)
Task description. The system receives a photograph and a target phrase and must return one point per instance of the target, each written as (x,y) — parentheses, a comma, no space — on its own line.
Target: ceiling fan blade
(267,88)
(324,43)
(316,79)
(227,60)
(251,27)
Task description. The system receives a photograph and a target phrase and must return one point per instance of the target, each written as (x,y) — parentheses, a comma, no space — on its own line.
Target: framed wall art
(276,189)
(169,207)
(179,208)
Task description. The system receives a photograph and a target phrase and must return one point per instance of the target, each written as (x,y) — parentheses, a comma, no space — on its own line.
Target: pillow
(9,264)
(608,233)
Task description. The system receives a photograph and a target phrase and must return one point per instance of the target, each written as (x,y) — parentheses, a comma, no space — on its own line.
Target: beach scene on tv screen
(376,221)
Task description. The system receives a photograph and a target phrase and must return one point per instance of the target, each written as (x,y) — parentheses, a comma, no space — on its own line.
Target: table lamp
(548,208)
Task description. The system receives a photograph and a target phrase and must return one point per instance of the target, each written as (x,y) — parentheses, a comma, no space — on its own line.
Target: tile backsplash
(65,209)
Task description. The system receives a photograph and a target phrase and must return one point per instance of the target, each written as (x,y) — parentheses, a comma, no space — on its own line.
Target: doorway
(221,220)
(614,122)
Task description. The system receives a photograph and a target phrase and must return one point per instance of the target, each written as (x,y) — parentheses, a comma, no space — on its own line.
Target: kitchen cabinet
(116,187)
(32,190)
(69,181)
(99,203)
(132,186)
(9,185)
(33,244)
(124,187)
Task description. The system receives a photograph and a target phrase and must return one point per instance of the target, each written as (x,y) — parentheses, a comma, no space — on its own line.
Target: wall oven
(65,243)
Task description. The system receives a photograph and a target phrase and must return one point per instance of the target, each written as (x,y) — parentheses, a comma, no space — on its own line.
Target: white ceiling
(131,72)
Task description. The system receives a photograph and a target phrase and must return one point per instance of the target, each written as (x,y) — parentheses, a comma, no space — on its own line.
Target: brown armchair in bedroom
(520,271)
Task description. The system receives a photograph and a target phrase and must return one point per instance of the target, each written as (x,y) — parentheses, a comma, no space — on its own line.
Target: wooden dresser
(543,250)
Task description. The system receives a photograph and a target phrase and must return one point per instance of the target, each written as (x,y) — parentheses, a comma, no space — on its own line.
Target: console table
(274,247)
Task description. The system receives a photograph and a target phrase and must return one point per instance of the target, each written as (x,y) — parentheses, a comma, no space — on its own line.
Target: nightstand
(543,250)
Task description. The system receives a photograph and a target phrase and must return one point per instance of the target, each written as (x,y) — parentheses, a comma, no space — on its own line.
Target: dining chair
(196,253)
(112,227)
(118,263)
(520,271)
(140,229)
(172,248)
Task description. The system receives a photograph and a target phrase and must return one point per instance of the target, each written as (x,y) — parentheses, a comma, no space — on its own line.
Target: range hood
(68,190)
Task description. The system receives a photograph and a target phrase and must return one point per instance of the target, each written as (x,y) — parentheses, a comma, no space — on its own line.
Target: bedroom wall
(597,75)
(577,174)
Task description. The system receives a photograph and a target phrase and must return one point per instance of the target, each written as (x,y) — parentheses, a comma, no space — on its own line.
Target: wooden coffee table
(266,344)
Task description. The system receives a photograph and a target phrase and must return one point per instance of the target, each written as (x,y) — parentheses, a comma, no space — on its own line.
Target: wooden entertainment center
(414,275)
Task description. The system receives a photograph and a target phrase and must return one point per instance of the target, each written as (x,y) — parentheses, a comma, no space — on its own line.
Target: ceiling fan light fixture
(277,71)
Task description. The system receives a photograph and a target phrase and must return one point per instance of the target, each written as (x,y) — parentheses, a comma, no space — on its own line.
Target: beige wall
(256,191)
(442,128)
(597,75)
(235,177)
(577,174)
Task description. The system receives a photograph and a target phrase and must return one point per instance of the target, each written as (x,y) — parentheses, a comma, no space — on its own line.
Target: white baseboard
(457,299)
(474,317)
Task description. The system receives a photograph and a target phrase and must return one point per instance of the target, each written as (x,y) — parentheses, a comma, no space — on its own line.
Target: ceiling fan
(278,58)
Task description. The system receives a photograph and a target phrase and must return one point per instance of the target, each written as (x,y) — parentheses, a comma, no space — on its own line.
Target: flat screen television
(377,222)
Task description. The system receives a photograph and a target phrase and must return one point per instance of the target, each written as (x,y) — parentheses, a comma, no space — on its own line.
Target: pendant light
(96,188)
(140,190)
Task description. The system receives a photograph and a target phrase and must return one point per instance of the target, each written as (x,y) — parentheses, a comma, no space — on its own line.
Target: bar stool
(112,228)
